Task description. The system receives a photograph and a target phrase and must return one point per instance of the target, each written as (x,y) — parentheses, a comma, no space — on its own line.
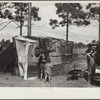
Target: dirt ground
(59,76)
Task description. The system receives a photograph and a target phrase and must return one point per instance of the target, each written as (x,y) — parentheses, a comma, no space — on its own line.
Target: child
(47,70)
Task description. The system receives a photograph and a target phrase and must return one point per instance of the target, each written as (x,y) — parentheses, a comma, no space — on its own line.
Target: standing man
(41,63)
(88,51)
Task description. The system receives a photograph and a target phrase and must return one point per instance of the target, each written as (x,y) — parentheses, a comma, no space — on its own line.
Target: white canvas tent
(23,46)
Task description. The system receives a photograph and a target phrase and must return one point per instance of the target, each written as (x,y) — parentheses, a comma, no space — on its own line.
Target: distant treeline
(79,45)
(82,45)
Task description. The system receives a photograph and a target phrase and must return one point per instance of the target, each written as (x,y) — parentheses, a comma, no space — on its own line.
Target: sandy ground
(7,80)
(59,78)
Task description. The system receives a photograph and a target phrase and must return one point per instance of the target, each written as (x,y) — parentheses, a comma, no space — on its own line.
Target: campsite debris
(75,73)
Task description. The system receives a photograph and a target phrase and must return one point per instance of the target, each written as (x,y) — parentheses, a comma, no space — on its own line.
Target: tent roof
(37,37)
(21,38)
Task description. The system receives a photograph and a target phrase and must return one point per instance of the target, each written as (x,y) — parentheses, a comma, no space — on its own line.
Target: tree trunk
(67,26)
(21,24)
(99,27)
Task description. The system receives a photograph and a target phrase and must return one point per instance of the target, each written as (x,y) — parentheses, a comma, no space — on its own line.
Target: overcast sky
(47,11)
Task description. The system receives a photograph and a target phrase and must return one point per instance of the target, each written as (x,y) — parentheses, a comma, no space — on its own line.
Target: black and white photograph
(49,44)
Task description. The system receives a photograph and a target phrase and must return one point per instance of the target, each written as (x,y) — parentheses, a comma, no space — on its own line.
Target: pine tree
(71,14)
(20,13)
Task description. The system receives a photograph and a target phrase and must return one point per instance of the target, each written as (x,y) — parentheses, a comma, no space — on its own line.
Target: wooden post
(67,26)
(99,25)
(21,23)
(29,19)
(99,28)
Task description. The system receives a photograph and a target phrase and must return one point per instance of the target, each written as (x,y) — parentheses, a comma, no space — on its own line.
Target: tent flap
(7,57)
(25,52)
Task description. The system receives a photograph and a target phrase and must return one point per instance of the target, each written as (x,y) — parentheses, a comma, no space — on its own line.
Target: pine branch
(2,8)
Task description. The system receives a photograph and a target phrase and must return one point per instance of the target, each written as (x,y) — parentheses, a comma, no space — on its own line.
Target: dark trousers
(88,62)
(39,72)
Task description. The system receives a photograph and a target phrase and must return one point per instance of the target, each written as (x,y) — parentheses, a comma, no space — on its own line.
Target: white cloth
(22,51)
